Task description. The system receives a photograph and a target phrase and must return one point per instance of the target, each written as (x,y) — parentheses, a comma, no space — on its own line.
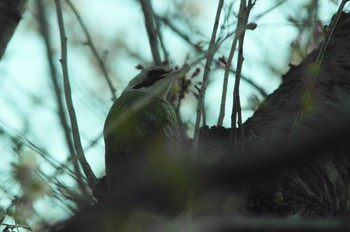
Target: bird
(140,128)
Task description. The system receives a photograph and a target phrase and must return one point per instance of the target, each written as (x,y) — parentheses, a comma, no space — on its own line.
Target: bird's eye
(157,72)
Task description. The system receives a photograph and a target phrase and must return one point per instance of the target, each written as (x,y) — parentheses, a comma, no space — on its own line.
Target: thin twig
(151,30)
(94,51)
(239,31)
(91,178)
(61,109)
(264,13)
(16,226)
(200,104)
(226,75)
(182,35)
(161,39)
(37,150)
(243,16)
(236,108)
(253,84)
(227,67)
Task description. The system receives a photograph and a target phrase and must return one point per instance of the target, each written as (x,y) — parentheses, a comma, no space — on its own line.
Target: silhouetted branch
(253,84)
(151,30)
(61,109)
(200,105)
(243,16)
(91,178)
(182,35)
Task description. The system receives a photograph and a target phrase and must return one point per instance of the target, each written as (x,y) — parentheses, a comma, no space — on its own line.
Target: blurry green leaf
(314,68)
(307,102)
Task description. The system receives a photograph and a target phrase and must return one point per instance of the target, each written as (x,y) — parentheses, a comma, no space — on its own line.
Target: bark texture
(317,186)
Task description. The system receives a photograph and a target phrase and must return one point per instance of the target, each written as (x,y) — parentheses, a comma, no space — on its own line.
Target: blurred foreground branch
(235,171)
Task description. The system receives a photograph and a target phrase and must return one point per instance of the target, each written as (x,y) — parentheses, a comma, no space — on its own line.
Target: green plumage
(133,145)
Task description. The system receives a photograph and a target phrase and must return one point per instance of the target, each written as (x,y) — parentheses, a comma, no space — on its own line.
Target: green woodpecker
(140,127)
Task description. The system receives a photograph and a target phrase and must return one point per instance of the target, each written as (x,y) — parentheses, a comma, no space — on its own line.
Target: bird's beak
(185,68)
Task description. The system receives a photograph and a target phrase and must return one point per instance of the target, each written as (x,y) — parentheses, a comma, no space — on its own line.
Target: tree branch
(151,30)
(243,16)
(182,35)
(46,37)
(200,105)
(91,178)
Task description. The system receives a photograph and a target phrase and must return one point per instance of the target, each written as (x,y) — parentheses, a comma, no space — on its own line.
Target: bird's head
(153,80)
